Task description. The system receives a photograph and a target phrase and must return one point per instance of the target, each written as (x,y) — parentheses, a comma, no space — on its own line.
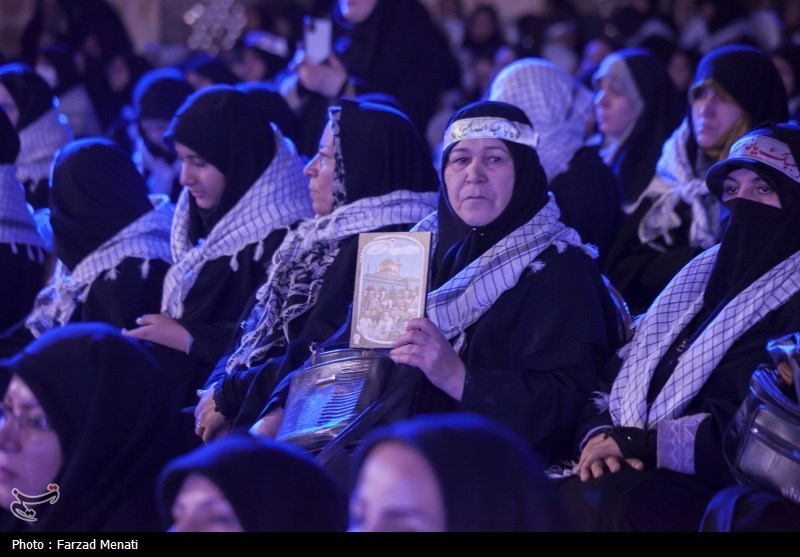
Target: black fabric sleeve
(121,300)
(208,339)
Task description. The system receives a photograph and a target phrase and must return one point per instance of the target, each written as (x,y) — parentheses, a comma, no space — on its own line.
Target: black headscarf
(272,486)
(34,97)
(104,396)
(759,236)
(212,67)
(273,105)
(217,123)
(158,95)
(95,192)
(748,75)
(61,57)
(790,52)
(9,140)
(459,244)
(487,47)
(635,161)
(272,49)
(489,479)
(137,66)
(391,154)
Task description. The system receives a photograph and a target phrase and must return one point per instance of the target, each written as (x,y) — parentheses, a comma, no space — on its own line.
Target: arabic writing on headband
(494,128)
(769,151)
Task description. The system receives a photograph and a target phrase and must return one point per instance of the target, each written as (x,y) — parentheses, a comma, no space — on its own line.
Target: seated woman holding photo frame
(519,319)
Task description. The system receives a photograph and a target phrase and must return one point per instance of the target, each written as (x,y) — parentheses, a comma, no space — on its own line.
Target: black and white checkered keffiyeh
(146,238)
(556,104)
(39,143)
(675,181)
(277,199)
(298,266)
(459,302)
(675,307)
(17,227)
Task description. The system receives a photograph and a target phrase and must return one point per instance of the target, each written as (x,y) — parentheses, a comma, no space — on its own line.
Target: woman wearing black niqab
(685,373)
(676,217)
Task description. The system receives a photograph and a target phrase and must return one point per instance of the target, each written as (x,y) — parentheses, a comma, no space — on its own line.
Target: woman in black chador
(111,240)
(372,173)
(651,455)
(519,320)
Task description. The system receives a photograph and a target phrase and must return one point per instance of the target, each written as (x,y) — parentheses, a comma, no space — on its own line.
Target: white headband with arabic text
(767,150)
(490,128)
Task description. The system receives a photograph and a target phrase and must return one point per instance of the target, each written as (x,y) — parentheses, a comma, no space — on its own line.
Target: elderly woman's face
(320,170)
(743,183)
(479,178)
(201,507)
(396,491)
(713,114)
(30,452)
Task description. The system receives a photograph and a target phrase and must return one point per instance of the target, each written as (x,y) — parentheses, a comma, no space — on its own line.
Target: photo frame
(391,286)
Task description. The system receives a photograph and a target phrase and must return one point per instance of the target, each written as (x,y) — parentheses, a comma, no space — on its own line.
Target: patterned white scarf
(675,182)
(17,226)
(315,243)
(675,307)
(556,104)
(147,238)
(277,199)
(38,145)
(459,302)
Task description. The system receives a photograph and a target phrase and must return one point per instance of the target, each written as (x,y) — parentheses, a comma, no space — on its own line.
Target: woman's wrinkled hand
(209,424)
(602,453)
(162,330)
(425,347)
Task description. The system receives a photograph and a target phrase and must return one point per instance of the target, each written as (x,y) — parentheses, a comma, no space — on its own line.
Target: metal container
(329,391)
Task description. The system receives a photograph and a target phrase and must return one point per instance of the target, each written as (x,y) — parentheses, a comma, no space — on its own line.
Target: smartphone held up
(317,38)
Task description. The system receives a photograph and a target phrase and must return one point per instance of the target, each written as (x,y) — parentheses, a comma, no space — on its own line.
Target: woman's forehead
(483,143)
